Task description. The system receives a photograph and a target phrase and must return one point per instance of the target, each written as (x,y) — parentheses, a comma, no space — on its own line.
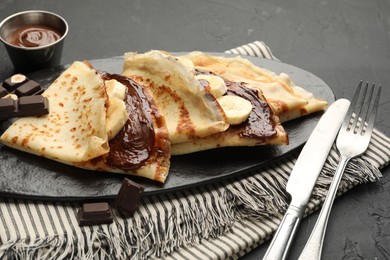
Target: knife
(304,176)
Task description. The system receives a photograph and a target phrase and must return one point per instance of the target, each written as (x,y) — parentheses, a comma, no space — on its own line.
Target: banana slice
(236,109)
(116,116)
(216,85)
(115,89)
(187,63)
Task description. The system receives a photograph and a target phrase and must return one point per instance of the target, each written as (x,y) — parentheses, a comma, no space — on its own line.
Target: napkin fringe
(358,171)
(54,247)
(144,237)
(85,245)
(186,224)
(261,197)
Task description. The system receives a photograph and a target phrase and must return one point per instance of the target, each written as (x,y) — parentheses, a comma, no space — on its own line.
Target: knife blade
(304,176)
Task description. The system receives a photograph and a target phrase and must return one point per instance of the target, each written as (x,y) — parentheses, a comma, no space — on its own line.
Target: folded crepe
(142,146)
(188,109)
(75,129)
(194,116)
(288,100)
(260,128)
(113,127)
(281,99)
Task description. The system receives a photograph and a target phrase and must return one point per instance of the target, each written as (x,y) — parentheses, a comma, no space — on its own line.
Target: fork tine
(371,120)
(349,119)
(365,108)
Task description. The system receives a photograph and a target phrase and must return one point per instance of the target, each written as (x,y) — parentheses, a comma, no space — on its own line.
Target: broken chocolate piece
(94,214)
(24,106)
(7,105)
(29,88)
(33,102)
(14,82)
(3,92)
(129,196)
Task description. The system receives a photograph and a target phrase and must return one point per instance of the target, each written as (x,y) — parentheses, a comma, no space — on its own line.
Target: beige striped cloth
(218,221)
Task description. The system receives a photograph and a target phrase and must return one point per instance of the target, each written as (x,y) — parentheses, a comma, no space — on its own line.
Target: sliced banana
(187,63)
(216,87)
(116,115)
(236,109)
(115,89)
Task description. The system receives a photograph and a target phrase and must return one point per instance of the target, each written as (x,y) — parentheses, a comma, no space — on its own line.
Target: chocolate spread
(259,123)
(33,36)
(132,146)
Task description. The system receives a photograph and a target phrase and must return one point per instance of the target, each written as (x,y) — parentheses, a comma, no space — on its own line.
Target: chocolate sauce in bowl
(33,36)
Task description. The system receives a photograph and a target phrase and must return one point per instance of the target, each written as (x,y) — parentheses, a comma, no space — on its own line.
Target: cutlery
(352,140)
(304,176)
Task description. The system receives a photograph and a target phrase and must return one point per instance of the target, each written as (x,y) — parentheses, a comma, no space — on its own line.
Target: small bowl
(30,58)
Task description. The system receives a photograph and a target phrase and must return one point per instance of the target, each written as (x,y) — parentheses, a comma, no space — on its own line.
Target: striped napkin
(217,221)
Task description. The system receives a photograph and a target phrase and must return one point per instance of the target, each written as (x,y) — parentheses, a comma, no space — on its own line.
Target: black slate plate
(27,176)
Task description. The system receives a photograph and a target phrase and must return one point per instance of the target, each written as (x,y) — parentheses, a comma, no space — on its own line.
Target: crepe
(75,129)
(288,100)
(189,111)
(142,146)
(262,127)
(185,102)
(87,125)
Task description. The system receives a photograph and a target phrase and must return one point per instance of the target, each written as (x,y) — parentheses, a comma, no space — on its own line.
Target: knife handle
(281,242)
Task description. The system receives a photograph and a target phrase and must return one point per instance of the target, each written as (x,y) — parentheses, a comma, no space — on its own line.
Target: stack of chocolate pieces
(28,101)
(20,85)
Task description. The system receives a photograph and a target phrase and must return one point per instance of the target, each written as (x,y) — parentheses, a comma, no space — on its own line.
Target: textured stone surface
(342,42)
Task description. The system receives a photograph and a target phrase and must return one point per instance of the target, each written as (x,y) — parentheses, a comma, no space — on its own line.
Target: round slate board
(27,176)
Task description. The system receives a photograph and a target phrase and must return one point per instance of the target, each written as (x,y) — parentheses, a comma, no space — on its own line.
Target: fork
(352,140)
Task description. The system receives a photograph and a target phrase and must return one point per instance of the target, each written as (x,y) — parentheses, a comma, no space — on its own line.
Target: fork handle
(313,247)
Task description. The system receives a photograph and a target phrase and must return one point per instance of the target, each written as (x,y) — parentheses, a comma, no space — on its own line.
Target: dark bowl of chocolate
(34,39)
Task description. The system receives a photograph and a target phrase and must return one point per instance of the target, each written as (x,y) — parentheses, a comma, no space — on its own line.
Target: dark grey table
(341,42)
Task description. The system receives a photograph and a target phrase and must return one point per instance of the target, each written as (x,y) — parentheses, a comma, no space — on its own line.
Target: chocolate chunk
(32,102)
(7,105)
(25,106)
(14,82)
(29,88)
(20,85)
(94,214)
(129,196)
(3,92)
